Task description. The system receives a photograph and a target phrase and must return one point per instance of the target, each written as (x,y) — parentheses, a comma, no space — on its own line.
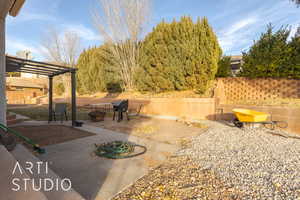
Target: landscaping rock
(261,164)
(180,178)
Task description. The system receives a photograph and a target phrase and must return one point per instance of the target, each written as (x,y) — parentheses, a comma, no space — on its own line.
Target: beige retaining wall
(199,108)
(190,108)
(239,89)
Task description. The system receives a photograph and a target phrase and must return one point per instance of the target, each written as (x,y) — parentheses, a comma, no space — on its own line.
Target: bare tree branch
(62,49)
(296,1)
(122,24)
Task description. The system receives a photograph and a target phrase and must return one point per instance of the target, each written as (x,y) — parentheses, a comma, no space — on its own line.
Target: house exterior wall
(24,96)
(4,8)
(40,82)
(2,70)
(236,64)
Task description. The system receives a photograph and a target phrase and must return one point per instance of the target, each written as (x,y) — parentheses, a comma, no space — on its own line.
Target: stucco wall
(190,108)
(25,96)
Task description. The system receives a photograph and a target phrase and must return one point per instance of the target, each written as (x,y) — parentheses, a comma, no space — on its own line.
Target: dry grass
(132,95)
(145,130)
(269,102)
(191,123)
(40,113)
(185,143)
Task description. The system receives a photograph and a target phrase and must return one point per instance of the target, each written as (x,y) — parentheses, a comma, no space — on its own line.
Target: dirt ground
(166,131)
(48,135)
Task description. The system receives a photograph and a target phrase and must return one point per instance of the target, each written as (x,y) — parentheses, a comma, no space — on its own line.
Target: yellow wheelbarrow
(246,116)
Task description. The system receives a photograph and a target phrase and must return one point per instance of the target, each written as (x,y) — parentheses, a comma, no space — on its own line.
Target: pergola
(14,64)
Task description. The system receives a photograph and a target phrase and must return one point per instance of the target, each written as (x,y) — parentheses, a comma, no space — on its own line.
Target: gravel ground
(179,179)
(257,161)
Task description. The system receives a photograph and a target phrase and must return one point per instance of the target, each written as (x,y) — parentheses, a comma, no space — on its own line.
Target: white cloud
(237,34)
(240,25)
(28,16)
(14,45)
(35,16)
(83,32)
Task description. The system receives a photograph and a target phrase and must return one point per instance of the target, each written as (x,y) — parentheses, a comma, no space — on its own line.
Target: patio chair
(60,110)
(120,107)
(137,111)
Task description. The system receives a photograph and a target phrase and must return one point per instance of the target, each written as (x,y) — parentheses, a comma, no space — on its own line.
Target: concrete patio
(99,178)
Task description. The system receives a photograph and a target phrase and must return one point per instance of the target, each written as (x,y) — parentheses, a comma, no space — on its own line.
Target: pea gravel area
(260,163)
(180,178)
(226,163)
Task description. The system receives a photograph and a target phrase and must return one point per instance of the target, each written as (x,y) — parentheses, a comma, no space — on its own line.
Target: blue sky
(236,22)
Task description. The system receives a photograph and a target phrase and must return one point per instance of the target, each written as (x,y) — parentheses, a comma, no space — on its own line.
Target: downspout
(2,73)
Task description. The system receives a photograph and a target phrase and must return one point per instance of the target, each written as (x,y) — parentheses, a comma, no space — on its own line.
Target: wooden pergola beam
(33,72)
(73,96)
(50,100)
(29,62)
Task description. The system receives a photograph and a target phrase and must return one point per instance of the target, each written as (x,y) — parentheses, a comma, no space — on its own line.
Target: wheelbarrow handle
(281,124)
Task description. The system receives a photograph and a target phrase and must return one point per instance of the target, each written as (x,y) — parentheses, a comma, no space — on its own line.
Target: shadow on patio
(100,178)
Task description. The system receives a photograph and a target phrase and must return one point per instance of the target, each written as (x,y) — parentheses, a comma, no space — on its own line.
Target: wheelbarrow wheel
(237,123)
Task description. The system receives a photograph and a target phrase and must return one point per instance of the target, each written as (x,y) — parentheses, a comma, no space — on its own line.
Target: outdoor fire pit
(97,116)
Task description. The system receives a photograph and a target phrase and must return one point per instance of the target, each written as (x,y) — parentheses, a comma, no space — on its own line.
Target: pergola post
(50,99)
(73,96)
(2,72)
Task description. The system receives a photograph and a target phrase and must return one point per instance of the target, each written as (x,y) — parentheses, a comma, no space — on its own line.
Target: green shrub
(178,56)
(59,88)
(95,71)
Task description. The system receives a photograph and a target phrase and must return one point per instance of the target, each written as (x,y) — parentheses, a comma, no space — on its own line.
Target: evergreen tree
(224,67)
(179,56)
(293,66)
(298,32)
(268,57)
(95,72)
(297,2)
